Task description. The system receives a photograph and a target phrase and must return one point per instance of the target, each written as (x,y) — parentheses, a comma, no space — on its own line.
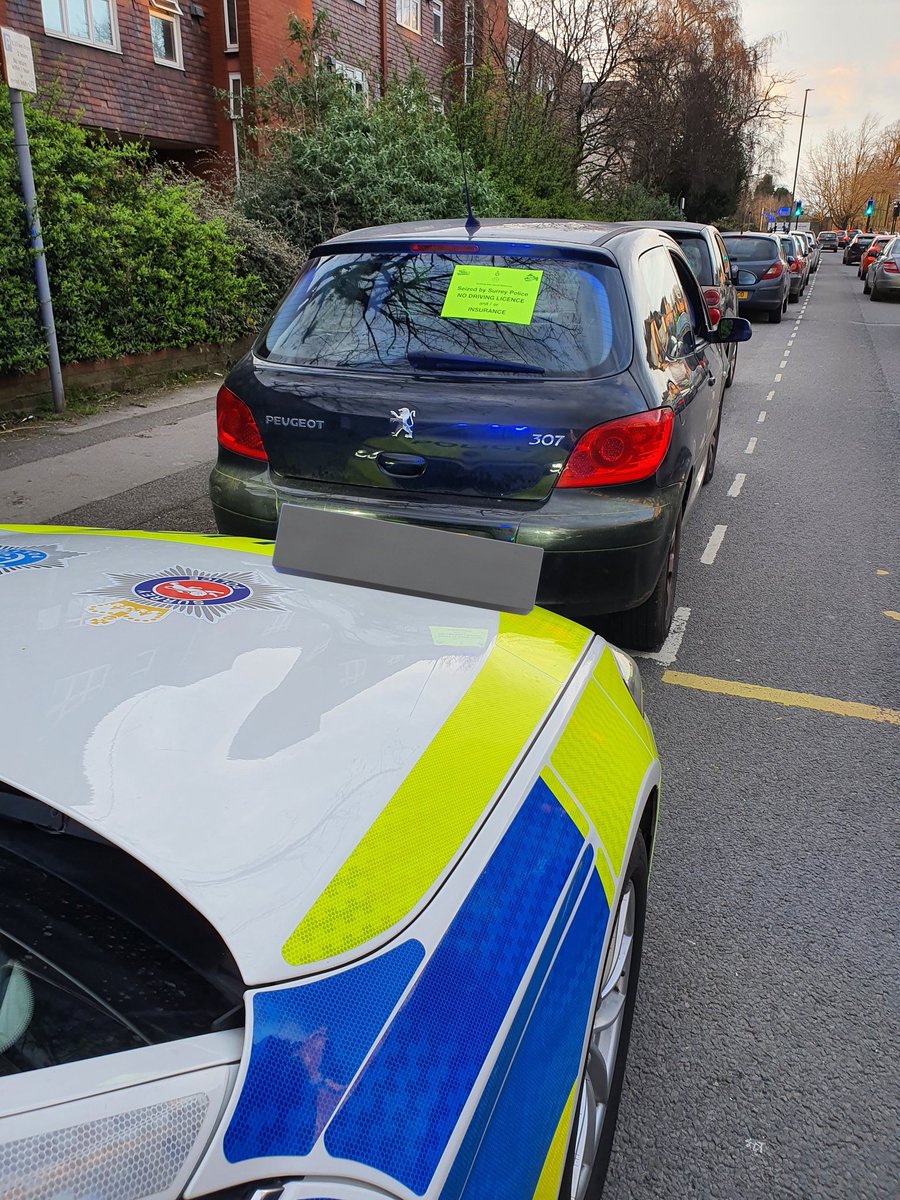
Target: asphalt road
(764,1062)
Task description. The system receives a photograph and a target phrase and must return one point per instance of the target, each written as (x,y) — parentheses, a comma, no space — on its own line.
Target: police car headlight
(628,669)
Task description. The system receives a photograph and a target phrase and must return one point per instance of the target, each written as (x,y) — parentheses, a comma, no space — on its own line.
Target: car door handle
(403,465)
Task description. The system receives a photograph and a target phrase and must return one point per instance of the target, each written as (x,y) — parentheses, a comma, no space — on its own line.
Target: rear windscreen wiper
(457,362)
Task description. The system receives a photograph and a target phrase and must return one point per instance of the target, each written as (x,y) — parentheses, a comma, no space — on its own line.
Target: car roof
(764,233)
(499,229)
(671,227)
(242,750)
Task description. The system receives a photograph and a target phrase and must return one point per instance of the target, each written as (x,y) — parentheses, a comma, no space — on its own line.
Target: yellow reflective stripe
(607,675)
(606,877)
(602,762)
(548,1184)
(431,814)
(216,541)
(555,785)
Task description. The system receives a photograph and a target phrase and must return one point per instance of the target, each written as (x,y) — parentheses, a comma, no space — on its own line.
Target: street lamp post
(797,165)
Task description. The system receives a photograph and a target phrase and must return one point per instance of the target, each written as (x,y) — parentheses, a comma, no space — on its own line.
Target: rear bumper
(603,550)
(886,282)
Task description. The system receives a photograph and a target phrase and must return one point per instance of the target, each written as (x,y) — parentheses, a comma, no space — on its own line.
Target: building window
(235,97)
(165,33)
(355,78)
(231,25)
(91,21)
(409,14)
(437,16)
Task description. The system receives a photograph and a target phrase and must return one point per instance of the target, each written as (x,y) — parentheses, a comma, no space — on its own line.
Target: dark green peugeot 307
(551,382)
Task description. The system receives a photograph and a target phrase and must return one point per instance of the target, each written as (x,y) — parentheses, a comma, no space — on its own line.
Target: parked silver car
(814,251)
(883,275)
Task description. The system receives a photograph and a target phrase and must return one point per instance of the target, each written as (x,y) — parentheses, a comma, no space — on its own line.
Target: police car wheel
(597,1106)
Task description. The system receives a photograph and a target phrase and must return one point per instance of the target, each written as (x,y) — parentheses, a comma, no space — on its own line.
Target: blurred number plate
(743,295)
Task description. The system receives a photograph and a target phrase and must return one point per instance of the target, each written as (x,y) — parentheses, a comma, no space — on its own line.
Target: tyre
(866,288)
(775,317)
(646,627)
(594,1126)
(732,367)
(712,451)
(875,294)
(792,299)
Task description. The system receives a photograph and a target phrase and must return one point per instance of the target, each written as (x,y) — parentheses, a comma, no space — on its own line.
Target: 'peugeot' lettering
(294,422)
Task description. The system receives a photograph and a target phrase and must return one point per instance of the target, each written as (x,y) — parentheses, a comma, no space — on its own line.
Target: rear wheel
(732,367)
(645,627)
(713,451)
(594,1126)
(866,288)
(775,317)
(875,294)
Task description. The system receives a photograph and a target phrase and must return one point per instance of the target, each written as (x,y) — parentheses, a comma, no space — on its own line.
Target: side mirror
(731,329)
(791,260)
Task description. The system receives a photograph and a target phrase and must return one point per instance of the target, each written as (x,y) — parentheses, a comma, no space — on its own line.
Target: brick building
(155,68)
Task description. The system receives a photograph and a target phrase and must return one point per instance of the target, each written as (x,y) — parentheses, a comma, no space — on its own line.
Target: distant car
(761,273)
(556,383)
(883,275)
(872,250)
(844,237)
(814,252)
(796,265)
(708,258)
(855,248)
(308,888)
(803,253)
(828,240)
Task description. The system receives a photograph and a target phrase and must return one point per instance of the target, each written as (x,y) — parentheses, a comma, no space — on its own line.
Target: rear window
(406,311)
(97,955)
(696,252)
(750,249)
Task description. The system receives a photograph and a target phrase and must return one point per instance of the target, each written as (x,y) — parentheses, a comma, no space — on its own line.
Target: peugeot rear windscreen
(409,311)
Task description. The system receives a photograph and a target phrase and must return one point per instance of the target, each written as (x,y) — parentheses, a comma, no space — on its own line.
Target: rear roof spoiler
(417,560)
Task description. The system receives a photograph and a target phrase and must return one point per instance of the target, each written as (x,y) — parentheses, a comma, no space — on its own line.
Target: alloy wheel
(606,1034)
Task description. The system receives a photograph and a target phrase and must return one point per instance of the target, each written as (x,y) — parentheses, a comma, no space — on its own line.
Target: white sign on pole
(18,61)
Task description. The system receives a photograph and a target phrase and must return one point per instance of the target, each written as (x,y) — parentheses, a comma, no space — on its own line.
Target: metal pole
(797,165)
(41,278)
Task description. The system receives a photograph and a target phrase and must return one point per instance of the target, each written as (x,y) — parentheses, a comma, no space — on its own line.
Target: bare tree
(851,165)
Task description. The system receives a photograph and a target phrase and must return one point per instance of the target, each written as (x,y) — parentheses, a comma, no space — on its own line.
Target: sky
(848,53)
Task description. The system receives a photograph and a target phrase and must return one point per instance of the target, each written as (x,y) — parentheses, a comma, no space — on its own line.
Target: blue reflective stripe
(462,1163)
(400,1113)
(308,1043)
(546,1064)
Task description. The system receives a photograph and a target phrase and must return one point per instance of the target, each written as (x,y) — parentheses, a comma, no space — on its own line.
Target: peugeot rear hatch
(439,369)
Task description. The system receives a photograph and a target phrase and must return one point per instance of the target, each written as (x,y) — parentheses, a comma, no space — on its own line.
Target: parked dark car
(705,251)
(828,240)
(556,383)
(854,251)
(760,269)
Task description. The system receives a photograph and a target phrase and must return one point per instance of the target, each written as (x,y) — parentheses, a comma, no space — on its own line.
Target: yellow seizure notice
(492,294)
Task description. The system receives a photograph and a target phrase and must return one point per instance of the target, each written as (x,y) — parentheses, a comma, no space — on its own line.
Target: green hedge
(133,267)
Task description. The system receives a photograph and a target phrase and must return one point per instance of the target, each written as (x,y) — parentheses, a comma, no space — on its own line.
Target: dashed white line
(712,546)
(787,353)
(668,651)
(751,446)
(782,364)
(770,397)
(735,489)
(778,377)
(761,417)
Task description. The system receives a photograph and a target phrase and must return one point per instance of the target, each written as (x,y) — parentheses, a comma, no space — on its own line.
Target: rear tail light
(774,271)
(238,431)
(621,451)
(712,297)
(891,267)
(795,267)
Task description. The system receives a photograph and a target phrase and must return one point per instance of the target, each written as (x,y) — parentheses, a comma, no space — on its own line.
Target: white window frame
(355,76)
(409,15)
(230,43)
(168,10)
(236,115)
(437,22)
(115,48)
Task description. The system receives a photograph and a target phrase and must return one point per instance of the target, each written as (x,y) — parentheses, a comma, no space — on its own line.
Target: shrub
(133,266)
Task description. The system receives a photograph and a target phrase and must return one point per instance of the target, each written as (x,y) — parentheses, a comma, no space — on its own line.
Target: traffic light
(870,207)
(798,209)
(896,209)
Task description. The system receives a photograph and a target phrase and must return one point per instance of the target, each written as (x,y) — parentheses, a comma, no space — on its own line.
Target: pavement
(763,1063)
